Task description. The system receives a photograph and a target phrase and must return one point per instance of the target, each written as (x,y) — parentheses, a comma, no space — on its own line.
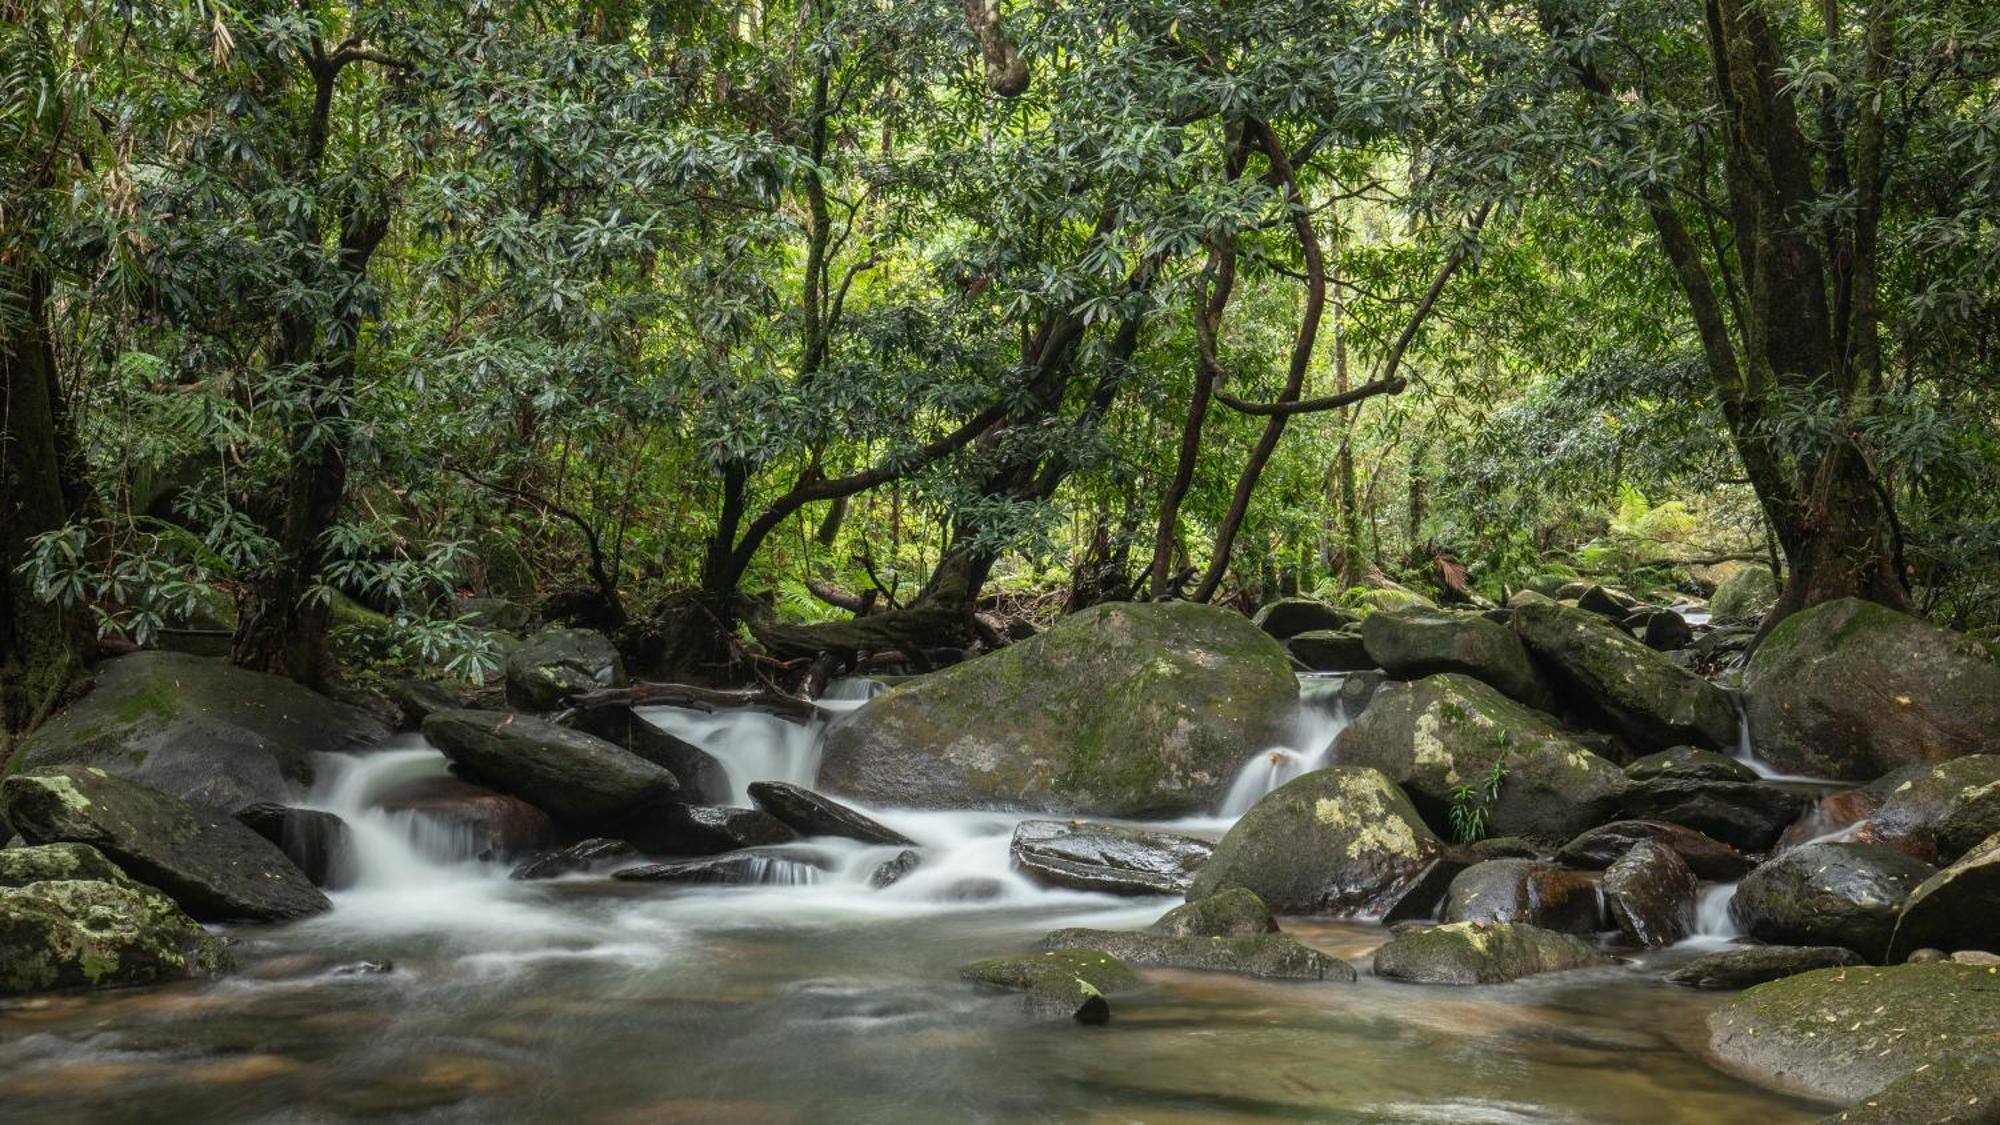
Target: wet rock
(1828,894)
(1957,908)
(1413,643)
(703,830)
(1108,858)
(891,871)
(214,867)
(1505,847)
(1235,912)
(1939,813)
(579,858)
(1138,710)
(1666,631)
(316,841)
(201,730)
(1471,953)
(1340,840)
(1708,858)
(556,663)
(1524,891)
(1753,965)
(1744,815)
(70,918)
(701,776)
(1288,617)
(1689,762)
(1060,998)
(1273,956)
(1843,812)
(1649,700)
(1331,650)
(1423,899)
(1850,689)
(1650,893)
(743,868)
(1844,1033)
(585,784)
(418,700)
(1058,984)
(810,814)
(1746,595)
(1434,734)
(1950,1091)
(471,821)
(1607,601)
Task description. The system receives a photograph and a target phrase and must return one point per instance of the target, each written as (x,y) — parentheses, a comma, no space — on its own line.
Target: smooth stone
(810,814)
(1423,899)
(1749,817)
(548,668)
(700,830)
(1524,891)
(1233,913)
(702,777)
(1649,700)
(1753,965)
(1650,893)
(1413,643)
(891,871)
(1950,1091)
(1689,762)
(1331,650)
(1271,956)
(1288,617)
(1472,953)
(584,783)
(481,823)
(1958,908)
(579,858)
(316,841)
(1940,812)
(1108,858)
(744,868)
(1828,894)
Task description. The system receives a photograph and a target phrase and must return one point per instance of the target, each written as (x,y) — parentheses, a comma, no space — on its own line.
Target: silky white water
(1312,728)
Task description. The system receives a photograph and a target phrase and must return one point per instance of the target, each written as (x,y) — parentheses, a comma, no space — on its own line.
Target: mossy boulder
(1845,1033)
(1411,643)
(1747,594)
(1652,702)
(70,918)
(215,868)
(1829,894)
(1948,1092)
(585,784)
(1331,650)
(1288,617)
(1476,953)
(1232,913)
(1340,840)
(1958,908)
(1273,956)
(1939,813)
(1752,965)
(200,730)
(1851,689)
(1059,983)
(1435,734)
(1121,710)
(556,663)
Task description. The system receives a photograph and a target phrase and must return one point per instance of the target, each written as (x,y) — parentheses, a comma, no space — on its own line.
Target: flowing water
(438,989)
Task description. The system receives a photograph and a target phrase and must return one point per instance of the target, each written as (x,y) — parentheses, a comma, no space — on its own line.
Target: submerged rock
(810,814)
(1652,702)
(316,841)
(1828,894)
(556,663)
(704,829)
(1472,953)
(1338,840)
(1435,734)
(1413,643)
(737,868)
(1288,617)
(1957,909)
(1707,857)
(1753,965)
(1851,689)
(1689,762)
(1273,956)
(891,871)
(1522,890)
(1106,857)
(1650,893)
(201,730)
(478,822)
(701,776)
(1120,710)
(1746,816)
(214,867)
(1058,984)
(1235,912)
(1845,1033)
(70,918)
(586,784)
(1939,813)
(579,858)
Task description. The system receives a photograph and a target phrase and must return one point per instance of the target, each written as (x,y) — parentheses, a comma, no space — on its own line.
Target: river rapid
(439,989)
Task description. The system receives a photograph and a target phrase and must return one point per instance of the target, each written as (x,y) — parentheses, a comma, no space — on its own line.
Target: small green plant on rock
(1470,805)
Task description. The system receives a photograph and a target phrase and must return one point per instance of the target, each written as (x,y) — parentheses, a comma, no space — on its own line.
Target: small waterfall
(1317,721)
(1712,920)
(391,849)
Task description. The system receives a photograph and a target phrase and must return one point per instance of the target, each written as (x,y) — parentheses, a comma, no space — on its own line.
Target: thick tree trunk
(41,645)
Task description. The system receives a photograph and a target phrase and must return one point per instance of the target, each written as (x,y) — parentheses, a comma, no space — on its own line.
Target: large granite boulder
(201,730)
(1120,710)
(1288,617)
(1413,643)
(1235,912)
(1957,908)
(1850,689)
(1330,650)
(1058,983)
(1340,840)
(1108,858)
(70,918)
(1525,891)
(1939,812)
(586,784)
(1844,1033)
(1475,953)
(1829,894)
(556,663)
(1652,702)
(214,867)
(1435,734)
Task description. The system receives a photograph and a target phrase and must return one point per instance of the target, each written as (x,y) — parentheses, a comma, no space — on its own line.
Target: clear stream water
(819,999)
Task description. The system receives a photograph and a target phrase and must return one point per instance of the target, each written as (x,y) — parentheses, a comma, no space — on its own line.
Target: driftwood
(699,699)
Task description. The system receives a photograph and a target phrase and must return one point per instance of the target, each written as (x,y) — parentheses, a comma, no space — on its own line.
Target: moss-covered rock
(1845,1033)
(1689,762)
(1274,956)
(1120,710)
(1957,908)
(1331,650)
(1475,953)
(1652,702)
(1939,813)
(1059,983)
(1411,643)
(1829,894)
(1233,913)
(557,663)
(1747,594)
(1947,1092)
(215,868)
(1288,617)
(1850,689)
(200,730)
(1340,840)
(96,930)
(1435,734)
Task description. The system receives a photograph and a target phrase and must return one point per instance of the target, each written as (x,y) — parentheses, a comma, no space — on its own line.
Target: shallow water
(587,999)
